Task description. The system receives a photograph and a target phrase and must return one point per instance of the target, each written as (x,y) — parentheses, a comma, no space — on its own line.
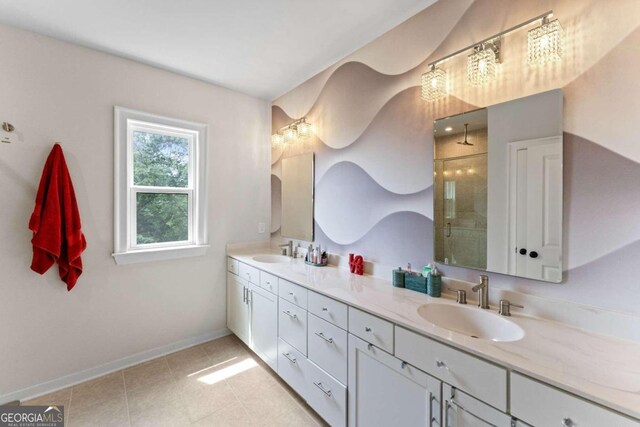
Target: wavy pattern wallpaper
(374,138)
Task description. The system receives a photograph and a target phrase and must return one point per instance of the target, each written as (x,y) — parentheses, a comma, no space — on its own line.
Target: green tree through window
(161,161)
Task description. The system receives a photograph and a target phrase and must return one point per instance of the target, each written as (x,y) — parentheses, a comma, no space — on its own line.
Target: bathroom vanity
(363,353)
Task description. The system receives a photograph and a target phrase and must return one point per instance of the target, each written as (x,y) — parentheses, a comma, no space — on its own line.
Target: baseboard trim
(47,387)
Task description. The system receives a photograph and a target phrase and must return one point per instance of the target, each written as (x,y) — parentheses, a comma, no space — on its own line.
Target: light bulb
(305,129)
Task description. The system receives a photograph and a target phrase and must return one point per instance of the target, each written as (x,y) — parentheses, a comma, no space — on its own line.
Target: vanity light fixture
(545,45)
(434,84)
(304,129)
(290,135)
(277,140)
(545,42)
(482,64)
(293,133)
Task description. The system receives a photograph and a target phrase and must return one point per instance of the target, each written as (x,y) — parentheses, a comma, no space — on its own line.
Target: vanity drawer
(326,396)
(327,347)
(552,407)
(292,367)
(479,378)
(233,265)
(372,329)
(249,273)
(293,293)
(329,309)
(269,282)
(292,325)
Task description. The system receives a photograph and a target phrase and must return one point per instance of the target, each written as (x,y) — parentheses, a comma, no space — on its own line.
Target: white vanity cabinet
(264,324)
(475,376)
(386,391)
(238,308)
(462,410)
(553,407)
(356,368)
(252,312)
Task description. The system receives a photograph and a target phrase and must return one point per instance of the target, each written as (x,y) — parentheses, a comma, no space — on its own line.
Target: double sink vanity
(363,353)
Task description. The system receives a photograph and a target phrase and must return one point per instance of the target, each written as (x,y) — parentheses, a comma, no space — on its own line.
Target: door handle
(244,294)
(447,406)
(448,229)
(533,254)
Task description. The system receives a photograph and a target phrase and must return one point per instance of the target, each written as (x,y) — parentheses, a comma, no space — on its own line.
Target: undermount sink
(473,322)
(271,259)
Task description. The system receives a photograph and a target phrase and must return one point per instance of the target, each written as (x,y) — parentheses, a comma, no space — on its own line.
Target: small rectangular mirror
(498,188)
(297,196)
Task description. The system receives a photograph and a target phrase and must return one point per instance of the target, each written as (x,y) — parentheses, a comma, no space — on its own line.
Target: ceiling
(260,47)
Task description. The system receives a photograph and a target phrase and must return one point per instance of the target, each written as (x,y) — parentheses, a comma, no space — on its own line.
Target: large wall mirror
(498,188)
(297,197)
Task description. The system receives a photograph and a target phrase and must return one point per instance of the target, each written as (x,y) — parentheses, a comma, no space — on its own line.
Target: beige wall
(53,91)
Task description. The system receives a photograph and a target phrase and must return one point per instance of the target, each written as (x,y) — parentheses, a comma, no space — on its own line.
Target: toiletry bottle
(434,282)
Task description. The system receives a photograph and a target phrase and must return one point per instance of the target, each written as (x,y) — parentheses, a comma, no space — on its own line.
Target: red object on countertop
(55,222)
(356,264)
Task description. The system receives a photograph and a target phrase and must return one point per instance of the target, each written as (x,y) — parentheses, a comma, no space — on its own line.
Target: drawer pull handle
(288,313)
(403,364)
(441,364)
(291,359)
(321,335)
(244,294)
(325,391)
(566,422)
(367,329)
(325,309)
(267,282)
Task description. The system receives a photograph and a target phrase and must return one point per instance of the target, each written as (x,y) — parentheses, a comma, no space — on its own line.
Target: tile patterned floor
(218,383)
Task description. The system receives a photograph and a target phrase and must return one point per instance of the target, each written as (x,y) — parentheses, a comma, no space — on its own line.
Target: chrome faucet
(287,246)
(483,292)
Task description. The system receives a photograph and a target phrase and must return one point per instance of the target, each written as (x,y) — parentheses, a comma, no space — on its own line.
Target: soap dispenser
(434,282)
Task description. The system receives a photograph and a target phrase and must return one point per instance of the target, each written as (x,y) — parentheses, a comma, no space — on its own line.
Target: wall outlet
(262,228)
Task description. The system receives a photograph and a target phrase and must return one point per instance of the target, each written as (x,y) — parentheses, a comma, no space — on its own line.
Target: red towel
(55,222)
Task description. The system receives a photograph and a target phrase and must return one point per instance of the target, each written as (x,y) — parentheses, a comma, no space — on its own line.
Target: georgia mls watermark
(31,416)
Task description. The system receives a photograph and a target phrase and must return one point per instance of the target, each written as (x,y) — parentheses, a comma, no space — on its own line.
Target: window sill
(159,254)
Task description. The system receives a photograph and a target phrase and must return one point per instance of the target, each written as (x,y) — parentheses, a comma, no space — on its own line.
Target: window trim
(126,250)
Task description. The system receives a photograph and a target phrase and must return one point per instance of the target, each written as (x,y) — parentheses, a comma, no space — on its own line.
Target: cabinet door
(385,391)
(462,410)
(264,324)
(238,308)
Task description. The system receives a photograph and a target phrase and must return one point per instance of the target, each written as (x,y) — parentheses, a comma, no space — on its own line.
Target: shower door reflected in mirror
(460,198)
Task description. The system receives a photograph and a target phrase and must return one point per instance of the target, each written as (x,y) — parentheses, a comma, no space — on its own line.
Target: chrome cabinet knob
(567,422)
(367,329)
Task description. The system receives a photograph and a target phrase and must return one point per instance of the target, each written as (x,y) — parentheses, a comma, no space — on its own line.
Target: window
(160,196)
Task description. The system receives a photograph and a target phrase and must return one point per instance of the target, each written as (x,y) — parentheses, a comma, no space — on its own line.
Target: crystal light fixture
(290,135)
(545,42)
(304,129)
(277,140)
(482,65)
(434,84)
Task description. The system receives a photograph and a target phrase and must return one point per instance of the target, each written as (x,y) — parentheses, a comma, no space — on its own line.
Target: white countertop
(599,368)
